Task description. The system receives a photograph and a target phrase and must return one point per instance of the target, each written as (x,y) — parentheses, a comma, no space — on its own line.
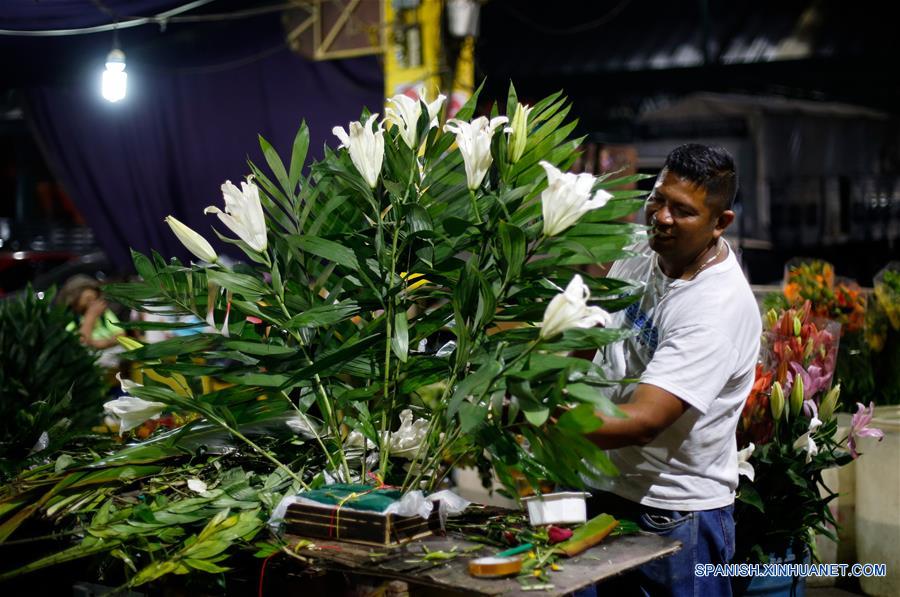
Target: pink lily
(859,427)
(814,379)
(810,409)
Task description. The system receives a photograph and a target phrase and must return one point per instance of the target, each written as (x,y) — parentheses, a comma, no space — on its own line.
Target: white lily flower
(404,112)
(474,142)
(806,442)
(243,213)
(743,458)
(192,240)
(569,309)
(518,133)
(132,411)
(567,198)
(406,440)
(366,147)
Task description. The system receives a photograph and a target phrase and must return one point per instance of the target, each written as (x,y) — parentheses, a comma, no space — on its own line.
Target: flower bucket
(878,502)
(841,480)
(774,586)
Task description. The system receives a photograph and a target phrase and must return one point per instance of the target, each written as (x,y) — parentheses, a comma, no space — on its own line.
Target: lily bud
(797,396)
(829,403)
(771,319)
(808,349)
(798,326)
(518,131)
(192,241)
(776,400)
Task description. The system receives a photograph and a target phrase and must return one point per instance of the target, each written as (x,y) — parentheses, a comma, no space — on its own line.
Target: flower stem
(475,206)
(387,415)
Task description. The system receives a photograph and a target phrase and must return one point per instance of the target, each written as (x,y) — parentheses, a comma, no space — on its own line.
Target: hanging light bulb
(115,79)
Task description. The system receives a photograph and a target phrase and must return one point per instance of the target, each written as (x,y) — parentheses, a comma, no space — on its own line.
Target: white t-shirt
(698,339)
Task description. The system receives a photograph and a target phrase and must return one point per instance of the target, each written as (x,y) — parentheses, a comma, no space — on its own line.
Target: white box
(557,508)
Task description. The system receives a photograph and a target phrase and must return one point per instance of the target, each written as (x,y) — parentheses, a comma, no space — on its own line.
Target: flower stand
(878,503)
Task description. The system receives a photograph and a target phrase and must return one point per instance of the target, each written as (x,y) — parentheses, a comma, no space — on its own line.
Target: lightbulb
(115,79)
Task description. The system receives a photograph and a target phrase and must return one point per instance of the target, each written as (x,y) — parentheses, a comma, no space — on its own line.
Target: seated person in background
(94,322)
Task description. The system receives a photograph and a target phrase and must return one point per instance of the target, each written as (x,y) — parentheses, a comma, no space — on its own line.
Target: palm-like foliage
(360,281)
(415,295)
(48,381)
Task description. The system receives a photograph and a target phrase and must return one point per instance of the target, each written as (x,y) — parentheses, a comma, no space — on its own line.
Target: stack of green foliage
(48,380)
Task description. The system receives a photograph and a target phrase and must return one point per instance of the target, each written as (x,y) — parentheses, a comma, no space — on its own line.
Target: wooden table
(613,556)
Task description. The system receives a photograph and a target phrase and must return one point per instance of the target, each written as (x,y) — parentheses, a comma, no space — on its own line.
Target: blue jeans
(707,537)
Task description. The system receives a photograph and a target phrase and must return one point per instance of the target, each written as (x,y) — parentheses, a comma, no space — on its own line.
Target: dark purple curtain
(168,147)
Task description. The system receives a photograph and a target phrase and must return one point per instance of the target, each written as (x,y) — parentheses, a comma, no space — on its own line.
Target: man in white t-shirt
(694,351)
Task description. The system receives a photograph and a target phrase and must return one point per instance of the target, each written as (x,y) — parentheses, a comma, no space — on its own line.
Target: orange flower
(792,292)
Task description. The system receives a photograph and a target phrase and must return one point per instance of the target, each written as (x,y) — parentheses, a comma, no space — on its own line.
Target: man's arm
(650,412)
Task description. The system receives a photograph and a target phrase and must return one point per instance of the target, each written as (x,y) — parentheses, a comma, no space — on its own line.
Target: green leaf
(613,210)
(511,101)
(536,416)
(400,337)
(323,315)
(205,566)
(593,396)
(276,165)
(749,495)
(173,347)
(472,416)
(580,419)
(241,284)
(512,245)
(143,265)
(586,338)
(326,249)
(259,349)
(298,155)
(346,353)
(474,385)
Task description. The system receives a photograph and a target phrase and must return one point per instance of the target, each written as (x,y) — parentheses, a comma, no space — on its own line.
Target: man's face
(681,222)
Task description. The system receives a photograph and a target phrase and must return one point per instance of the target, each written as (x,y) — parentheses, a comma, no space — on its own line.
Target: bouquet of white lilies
(411,302)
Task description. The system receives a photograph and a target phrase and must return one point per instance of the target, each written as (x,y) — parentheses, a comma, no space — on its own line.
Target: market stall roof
(616,59)
(635,35)
(712,106)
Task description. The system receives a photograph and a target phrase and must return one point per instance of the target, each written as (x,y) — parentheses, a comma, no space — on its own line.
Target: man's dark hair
(709,167)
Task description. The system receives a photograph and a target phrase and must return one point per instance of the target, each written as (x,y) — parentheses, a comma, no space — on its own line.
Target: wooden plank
(612,557)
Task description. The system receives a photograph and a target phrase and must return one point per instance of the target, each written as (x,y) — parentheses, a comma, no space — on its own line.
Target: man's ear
(724,221)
